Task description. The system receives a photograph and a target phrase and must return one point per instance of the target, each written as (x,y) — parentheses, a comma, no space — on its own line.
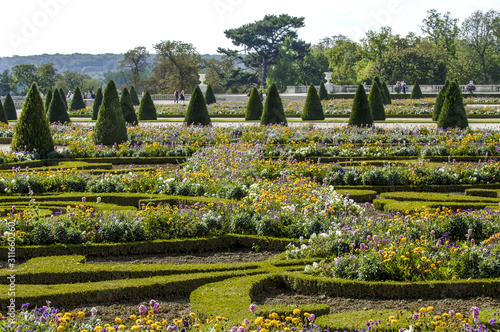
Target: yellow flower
(80,314)
(133,317)
(192,314)
(118,320)
(135,327)
(459,316)
(423,310)
(217,326)
(259,321)
(98,328)
(296,312)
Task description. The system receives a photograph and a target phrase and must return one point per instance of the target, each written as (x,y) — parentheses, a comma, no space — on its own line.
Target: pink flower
(84,199)
(312,317)
(142,309)
(253,308)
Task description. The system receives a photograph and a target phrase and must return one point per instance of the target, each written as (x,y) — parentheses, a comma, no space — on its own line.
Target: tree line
(269,51)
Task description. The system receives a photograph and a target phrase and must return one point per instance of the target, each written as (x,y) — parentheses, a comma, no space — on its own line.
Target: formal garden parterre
(305,191)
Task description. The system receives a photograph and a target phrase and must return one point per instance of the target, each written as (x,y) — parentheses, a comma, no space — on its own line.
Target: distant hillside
(94,65)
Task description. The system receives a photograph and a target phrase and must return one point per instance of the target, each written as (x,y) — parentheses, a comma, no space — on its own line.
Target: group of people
(179,95)
(86,95)
(400,86)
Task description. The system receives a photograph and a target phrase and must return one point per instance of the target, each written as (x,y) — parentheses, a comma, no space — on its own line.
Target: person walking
(182,96)
(176,96)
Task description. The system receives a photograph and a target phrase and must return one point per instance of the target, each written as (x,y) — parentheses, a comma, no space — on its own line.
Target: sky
(31,27)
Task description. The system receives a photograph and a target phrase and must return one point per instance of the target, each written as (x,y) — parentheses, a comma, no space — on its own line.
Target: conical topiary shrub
(361,114)
(32,131)
(77,102)
(128,108)
(376,102)
(97,104)
(438,105)
(9,108)
(56,111)
(416,93)
(3,116)
(323,94)
(387,94)
(48,99)
(313,110)
(273,112)
(209,95)
(453,111)
(110,126)
(133,95)
(254,106)
(147,109)
(377,80)
(61,91)
(197,113)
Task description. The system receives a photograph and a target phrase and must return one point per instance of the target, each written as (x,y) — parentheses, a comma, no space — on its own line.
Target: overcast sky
(31,27)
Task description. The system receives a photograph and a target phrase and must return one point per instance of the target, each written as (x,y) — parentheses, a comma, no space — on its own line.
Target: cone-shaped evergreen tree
(377,80)
(9,108)
(128,108)
(147,110)
(387,94)
(313,110)
(61,91)
(416,93)
(32,130)
(197,113)
(273,112)
(56,111)
(48,99)
(133,95)
(97,104)
(254,106)
(376,102)
(438,105)
(209,95)
(110,126)
(3,116)
(77,102)
(323,94)
(361,114)
(453,111)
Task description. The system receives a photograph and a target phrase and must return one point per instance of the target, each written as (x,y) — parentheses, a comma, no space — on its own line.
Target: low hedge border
(55,206)
(418,196)
(483,192)
(426,188)
(74,269)
(405,207)
(176,246)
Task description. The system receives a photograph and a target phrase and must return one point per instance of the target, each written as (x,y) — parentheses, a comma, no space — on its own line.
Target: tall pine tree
(9,108)
(128,108)
(77,102)
(97,104)
(48,99)
(254,106)
(438,105)
(147,109)
(376,102)
(3,116)
(133,95)
(57,111)
(209,95)
(416,93)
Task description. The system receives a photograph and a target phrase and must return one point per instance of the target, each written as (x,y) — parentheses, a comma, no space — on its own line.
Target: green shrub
(416,93)
(313,110)
(273,112)
(32,130)
(376,102)
(323,94)
(453,111)
(361,114)
(110,127)
(97,104)
(133,95)
(377,80)
(128,108)
(438,105)
(77,102)
(3,116)
(387,94)
(209,95)
(56,111)
(197,113)
(48,99)
(9,108)
(61,91)
(147,109)
(254,106)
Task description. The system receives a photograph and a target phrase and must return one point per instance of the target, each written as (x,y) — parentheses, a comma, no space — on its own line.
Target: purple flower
(451,312)
(142,309)
(84,199)
(415,316)
(253,308)
(475,312)
(492,321)
(312,317)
